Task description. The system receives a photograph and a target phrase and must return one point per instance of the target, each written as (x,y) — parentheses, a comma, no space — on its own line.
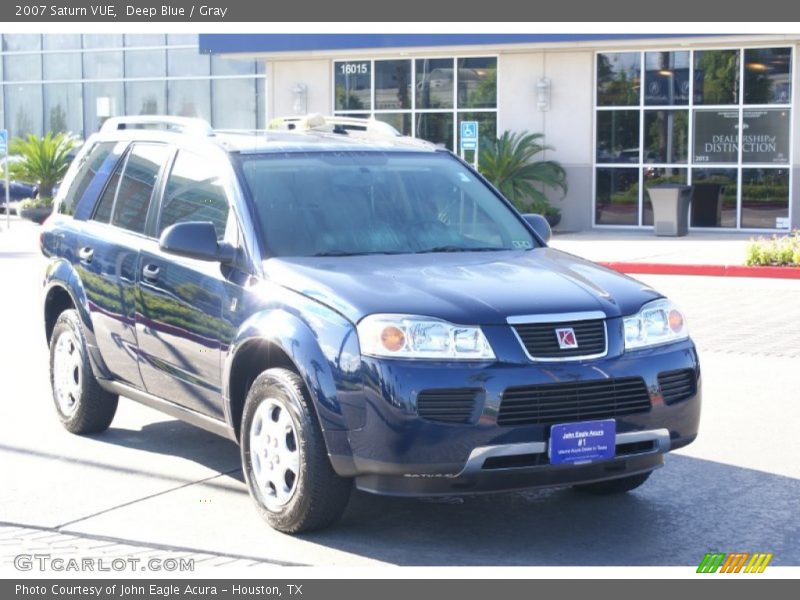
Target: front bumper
(398,453)
(525,466)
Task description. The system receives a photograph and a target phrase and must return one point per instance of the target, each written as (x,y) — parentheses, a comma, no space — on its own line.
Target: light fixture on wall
(543,88)
(300,98)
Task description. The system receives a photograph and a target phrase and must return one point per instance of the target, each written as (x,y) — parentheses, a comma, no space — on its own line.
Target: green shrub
(512,164)
(775,251)
(36,203)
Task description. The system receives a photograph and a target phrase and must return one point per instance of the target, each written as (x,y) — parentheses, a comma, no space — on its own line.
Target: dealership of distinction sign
(765,138)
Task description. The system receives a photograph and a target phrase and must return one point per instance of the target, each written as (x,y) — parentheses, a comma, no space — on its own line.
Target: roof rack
(336,124)
(174,124)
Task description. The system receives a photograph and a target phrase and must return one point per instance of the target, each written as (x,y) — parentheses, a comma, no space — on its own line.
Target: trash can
(670,209)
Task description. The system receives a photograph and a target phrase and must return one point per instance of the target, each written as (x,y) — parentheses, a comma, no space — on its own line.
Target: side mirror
(196,239)
(539,224)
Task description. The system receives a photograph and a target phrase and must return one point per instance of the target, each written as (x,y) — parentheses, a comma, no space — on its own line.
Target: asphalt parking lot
(155,486)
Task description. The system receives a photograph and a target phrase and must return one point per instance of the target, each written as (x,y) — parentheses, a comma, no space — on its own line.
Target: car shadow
(690,507)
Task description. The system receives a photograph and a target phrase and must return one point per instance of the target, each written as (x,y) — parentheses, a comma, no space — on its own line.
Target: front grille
(677,385)
(574,401)
(447,405)
(541,341)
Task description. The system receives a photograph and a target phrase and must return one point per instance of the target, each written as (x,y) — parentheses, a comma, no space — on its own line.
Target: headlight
(658,322)
(409,336)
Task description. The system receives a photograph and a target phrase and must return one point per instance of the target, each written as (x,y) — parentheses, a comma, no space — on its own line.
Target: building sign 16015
(764,139)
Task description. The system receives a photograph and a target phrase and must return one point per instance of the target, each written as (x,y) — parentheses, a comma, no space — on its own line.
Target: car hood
(479,288)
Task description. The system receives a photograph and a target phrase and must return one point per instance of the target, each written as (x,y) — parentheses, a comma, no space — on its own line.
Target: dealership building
(622,113)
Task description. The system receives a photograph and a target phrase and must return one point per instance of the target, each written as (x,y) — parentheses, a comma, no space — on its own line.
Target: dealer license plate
(582,442)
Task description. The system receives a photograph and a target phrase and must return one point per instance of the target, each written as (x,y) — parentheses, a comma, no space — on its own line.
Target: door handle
(150,272)
(86,254)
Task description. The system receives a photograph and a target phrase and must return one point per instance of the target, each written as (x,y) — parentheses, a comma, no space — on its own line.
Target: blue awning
(266,43)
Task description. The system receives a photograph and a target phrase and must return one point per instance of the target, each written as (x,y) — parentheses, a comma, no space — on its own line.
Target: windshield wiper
(460,249)
(343,253)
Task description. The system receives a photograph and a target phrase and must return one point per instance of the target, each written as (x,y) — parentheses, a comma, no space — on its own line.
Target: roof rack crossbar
(187,125)
(335,124)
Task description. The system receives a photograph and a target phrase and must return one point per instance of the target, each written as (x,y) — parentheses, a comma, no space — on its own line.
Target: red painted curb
(704,270)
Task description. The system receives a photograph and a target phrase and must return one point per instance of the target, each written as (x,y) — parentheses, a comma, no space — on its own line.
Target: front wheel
(284,457)
(614,486)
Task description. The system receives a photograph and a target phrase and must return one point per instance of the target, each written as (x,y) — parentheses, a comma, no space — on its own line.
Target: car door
(179,323)
(108,254)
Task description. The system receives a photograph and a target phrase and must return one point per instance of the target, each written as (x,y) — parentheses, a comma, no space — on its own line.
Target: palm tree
(510,164)
(45,160)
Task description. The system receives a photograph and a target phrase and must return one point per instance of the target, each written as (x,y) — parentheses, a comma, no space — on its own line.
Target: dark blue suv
(353,308)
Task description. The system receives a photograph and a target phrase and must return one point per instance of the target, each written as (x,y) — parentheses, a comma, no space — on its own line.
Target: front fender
(323,346)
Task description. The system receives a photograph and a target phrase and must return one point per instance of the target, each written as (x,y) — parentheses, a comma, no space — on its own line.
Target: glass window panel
(618,79)
(63,107)
(23,109)
(194,192)
(145,97)
(62,41)
(400,121)
(182,39)
(103,65)
(766,136)
(765,198)
(22,67)
(145,39)
(233,103)
(768,76)
(102,211)
(261,103)
(666,78)
(136,186)
(101,100)
(84,176)
(716,136)
(654,176)
(189,98)
(102,40)
(435,127)
(434,83)
(716,77)
(231,66)
(352,80)
(392,84)
(487,125)
(666,136)
(187,63)
(62,65)
(20,42)
(617,136)
(477,82)
(714,197)
(617,201)
(145,63)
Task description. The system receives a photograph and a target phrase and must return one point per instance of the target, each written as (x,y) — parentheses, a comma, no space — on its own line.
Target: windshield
(347,203)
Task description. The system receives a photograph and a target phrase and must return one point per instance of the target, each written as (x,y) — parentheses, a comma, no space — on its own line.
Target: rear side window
(136,186)
(106,204)
(194,192)
(84,173)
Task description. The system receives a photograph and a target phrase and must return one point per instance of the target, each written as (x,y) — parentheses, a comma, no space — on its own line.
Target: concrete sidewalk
(614,245)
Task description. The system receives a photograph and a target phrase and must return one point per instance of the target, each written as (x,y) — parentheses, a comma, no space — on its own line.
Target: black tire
(92,408)
(614,486)
(319,495)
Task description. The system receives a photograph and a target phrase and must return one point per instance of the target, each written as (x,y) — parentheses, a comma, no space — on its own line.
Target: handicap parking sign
(469,135)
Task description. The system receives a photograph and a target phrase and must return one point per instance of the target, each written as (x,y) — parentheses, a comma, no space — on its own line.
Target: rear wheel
(614,486)
(81,404)
(284,457)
